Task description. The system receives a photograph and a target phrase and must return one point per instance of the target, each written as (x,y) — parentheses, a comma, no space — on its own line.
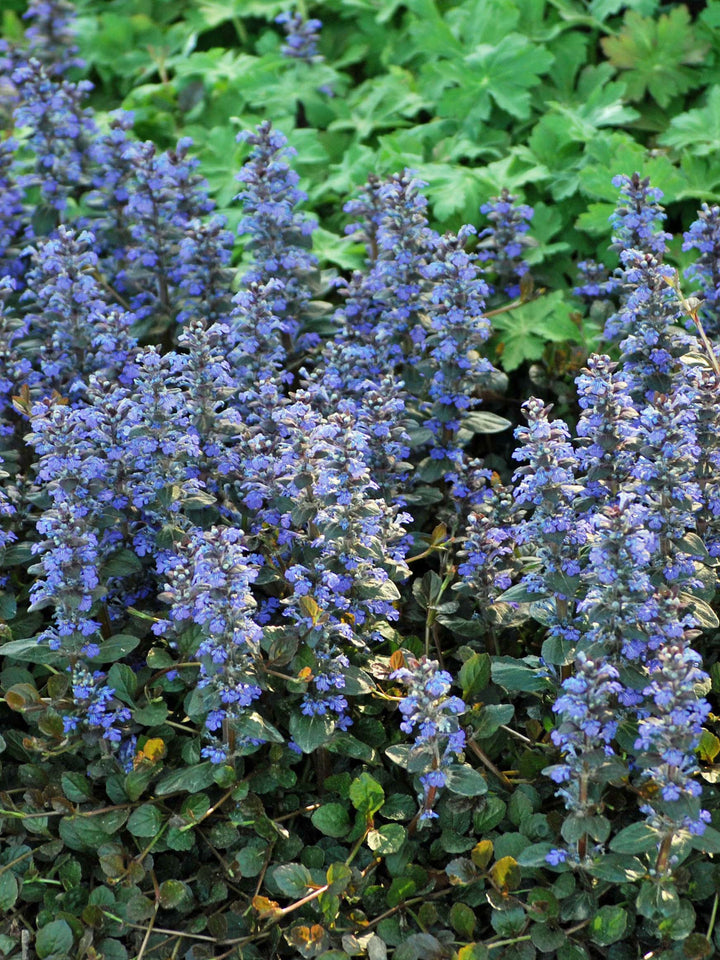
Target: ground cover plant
(319,640)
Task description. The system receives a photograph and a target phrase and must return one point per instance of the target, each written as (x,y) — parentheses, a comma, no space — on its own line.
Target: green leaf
(524,331)
(419,946)
(357,681)
(145,821)
(172,893)
(608,925)
(178,839)
(54,937)
(116,648)
(293,879)
(251,857)
(708,841)
(697,131)
(30,651)
(462,920)
(657,55)
(504,72)
(75,786)
(492,717)
(515,674)
(380,103)
(366,794)
(637,838)
(709,745)
(151,715)
(9,888)
(617,868)
(462,871)
(309,733)
(602,9)
(345,252)
(188,780)
(464,780)
(400,754)
(331,819)
(615,153)
(597,104)
(519,593)
(123,681)
(535,855)
(122,564)
(453,189)
(481,421)
(702,612)
(8,605)
(86,834)
(388,839)
(474,674)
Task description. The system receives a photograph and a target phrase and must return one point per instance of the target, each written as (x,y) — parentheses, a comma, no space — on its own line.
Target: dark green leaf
(518,674)
(608,925)
(293,879)
(188,780)
(331,819)
(388,839)
(54,937)
(474,674)
(116,648)
(482,421)
(9,887)
(366,794)
(637,838)
(464,780)
(617,868)
(309,733)
(491,718)
(29,651)
(145,821)
(172,894)
(75,786)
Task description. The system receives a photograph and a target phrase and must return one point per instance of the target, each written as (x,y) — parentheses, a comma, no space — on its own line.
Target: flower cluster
(61,130)
(278,235)
(638,216)
(97,708)
(641,476)
(301,37)
(420,309)
(704,236)
(433,717)
(672,719)
(207,584)
(51,35)
(501,246)
(596,283)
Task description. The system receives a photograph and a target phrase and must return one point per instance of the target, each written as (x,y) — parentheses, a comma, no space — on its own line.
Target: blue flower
(301,37)
(433,715)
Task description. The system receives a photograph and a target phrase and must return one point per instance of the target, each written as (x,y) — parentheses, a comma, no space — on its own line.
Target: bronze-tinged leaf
(397,660)
(20,696)
(268,909)
(481,854)
(506,874)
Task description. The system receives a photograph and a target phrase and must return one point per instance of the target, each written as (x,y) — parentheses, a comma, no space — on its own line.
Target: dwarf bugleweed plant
(302,657)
